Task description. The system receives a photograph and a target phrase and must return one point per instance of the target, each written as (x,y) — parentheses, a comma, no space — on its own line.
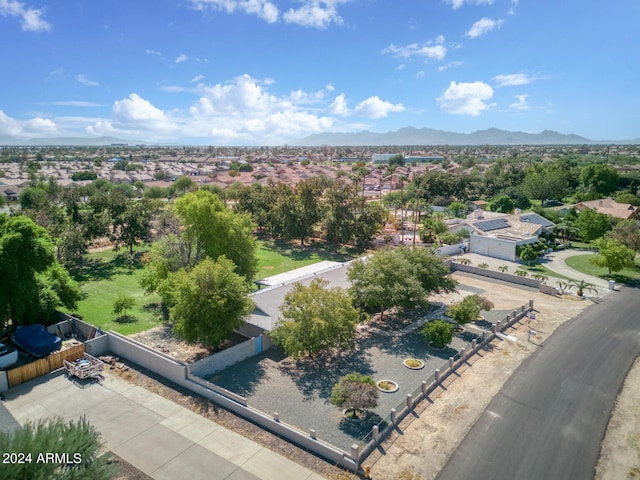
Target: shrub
(355,392)
(439,332)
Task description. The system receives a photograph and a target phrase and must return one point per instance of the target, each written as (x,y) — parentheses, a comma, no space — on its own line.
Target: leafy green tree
(316,318)
(517,195)
(80,440)
(503,203)
(184,184)
(438,332)
(385,280)
(356,392)
(397,159)
(592,225)
(457,209)
(370,221)
(433,227)
(132,225)
(612,254)
(430,270)
(528,254)
(123,304)
(627,232)
(207,302)
(212,230)
(629,198)
(468,309)
(545,181)
(599,178)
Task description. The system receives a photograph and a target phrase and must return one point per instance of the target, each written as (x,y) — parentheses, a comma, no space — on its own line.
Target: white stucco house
(498,234)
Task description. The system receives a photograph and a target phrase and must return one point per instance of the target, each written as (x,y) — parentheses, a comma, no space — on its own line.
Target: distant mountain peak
(429,136)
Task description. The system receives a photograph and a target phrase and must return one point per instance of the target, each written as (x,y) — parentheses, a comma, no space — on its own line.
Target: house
(498,235)
(610,207)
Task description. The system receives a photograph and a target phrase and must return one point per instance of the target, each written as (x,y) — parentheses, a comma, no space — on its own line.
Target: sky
(268,72)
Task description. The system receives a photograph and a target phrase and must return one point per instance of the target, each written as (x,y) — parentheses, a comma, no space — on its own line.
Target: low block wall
(485,272)
(230,356)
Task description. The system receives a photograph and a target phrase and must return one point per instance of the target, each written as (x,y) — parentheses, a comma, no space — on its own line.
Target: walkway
(159,437)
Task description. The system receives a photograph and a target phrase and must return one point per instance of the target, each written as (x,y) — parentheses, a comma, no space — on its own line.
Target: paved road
(548,420)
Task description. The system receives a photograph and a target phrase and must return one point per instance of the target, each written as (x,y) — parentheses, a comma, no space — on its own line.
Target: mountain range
(404,136)
(430,136)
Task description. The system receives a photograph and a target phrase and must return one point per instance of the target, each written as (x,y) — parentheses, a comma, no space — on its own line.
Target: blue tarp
(36,340)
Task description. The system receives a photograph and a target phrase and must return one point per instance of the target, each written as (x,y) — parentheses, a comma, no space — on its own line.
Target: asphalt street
(549,419)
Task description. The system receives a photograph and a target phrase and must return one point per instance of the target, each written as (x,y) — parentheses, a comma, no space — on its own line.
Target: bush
(438,332)
(355,392)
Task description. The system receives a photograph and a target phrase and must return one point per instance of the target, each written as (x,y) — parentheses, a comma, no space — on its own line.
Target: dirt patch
(620,449)
(163,340)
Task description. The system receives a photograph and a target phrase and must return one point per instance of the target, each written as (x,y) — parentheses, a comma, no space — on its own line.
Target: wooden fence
(40,367)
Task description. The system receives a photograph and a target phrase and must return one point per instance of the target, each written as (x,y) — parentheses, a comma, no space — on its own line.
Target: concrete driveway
(159,437)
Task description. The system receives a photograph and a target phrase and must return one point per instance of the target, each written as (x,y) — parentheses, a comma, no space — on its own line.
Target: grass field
(104,277)
(582,264)
(108,275)
(276,257)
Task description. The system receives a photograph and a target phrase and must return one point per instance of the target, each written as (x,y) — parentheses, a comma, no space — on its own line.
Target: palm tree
(581,286)
(402,179)
(503,268)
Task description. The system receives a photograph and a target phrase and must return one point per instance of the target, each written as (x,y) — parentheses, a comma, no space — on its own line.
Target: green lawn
(104,277)
(276,257)
(107,275)
(582,264)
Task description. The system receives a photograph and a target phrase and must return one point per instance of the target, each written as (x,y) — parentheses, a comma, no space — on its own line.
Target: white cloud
(449,65)
(466,98)
(263,9)
(459,3)
(339,106)
(181,58)
(483,26)
(77,103)
(315,13)
(86,81)
(30,18)
(513,79)
(373,107)
(521,104)
(34,127)
(420,74)
(197,78)
(153,53)
(434,49)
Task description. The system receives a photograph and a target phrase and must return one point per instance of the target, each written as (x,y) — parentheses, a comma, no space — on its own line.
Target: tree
(383,281)
(212,230)
(627,232)
(397,278)
(397,159)
(592,224)
(468,309)
(316,318)
(599,178)
(132,225)
(545,181)
(122,304)
(581,286)
(503,203)
(79,439)
(32,281)
(612,254)
(356,392)
(184,184)
(429,269)
(433,227)
(207,302)
(438,332)
(528,254)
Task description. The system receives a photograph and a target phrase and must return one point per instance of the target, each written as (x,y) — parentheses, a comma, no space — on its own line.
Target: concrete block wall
(227,357)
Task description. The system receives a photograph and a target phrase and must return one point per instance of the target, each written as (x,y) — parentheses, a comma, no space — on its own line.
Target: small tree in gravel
(438,332)
(468,309)
(355,392)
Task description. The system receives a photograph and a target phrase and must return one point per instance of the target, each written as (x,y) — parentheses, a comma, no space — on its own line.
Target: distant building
(425,159)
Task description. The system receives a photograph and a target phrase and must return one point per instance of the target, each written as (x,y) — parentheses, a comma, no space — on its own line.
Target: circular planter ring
(431,345)
(395,386)
(417,367)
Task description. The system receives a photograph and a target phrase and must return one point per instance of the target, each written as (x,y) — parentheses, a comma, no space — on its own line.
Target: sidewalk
(159,437)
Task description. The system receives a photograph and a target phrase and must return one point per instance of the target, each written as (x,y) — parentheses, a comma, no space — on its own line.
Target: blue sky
(265,72)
